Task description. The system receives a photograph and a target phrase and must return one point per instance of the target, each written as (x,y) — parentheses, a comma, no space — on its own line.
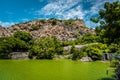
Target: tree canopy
(109,19)
(46,48)
(25,36)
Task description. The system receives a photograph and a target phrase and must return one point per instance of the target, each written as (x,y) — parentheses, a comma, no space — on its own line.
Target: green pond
(54,70)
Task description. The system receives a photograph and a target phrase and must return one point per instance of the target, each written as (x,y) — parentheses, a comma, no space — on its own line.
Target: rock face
(3,31)
(61,29)
(68,48)
(78,47)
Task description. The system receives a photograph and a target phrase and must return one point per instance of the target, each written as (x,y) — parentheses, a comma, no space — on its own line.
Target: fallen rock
(86,59)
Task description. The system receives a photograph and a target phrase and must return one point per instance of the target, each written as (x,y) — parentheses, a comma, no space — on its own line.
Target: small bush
(95,50)
(54,22)
(114,63)
(88,38)
(114,48)
(35,27)
(46,48)
(68,22)
(43,21)
(75,53)
(67,43)
(22,35)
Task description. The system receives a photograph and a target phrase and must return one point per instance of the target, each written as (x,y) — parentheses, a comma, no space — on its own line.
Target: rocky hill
(61,29)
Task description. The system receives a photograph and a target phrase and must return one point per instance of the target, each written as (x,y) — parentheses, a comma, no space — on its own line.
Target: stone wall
(68,48)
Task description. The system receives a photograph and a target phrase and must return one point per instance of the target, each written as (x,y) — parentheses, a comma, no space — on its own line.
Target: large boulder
(19,55)
(86,59)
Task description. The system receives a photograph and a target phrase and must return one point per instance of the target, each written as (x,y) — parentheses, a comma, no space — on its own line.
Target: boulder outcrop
(86,59)
(61,29)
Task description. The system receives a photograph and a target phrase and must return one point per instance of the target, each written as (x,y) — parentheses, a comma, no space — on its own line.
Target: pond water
(53,70)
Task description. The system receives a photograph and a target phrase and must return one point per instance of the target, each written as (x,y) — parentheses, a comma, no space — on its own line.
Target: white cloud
(74,13)
(63,9)
(6,24)
(66,9)
(98,4)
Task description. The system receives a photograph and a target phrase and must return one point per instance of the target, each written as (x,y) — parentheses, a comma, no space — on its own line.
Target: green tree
(58,46)
(19,45)
(72,50)
(95,50)
(75,53)
(36,51)
(114,48)
(11,44)
(45,48)
(88,38)
(109,19)
(25,36)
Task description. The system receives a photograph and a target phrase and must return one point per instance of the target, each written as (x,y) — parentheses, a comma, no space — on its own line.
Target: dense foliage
(17,43)
(46,48)
(86,39)
(25,36)
(95,50)
(75,53)
(11,44)
(109,19)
